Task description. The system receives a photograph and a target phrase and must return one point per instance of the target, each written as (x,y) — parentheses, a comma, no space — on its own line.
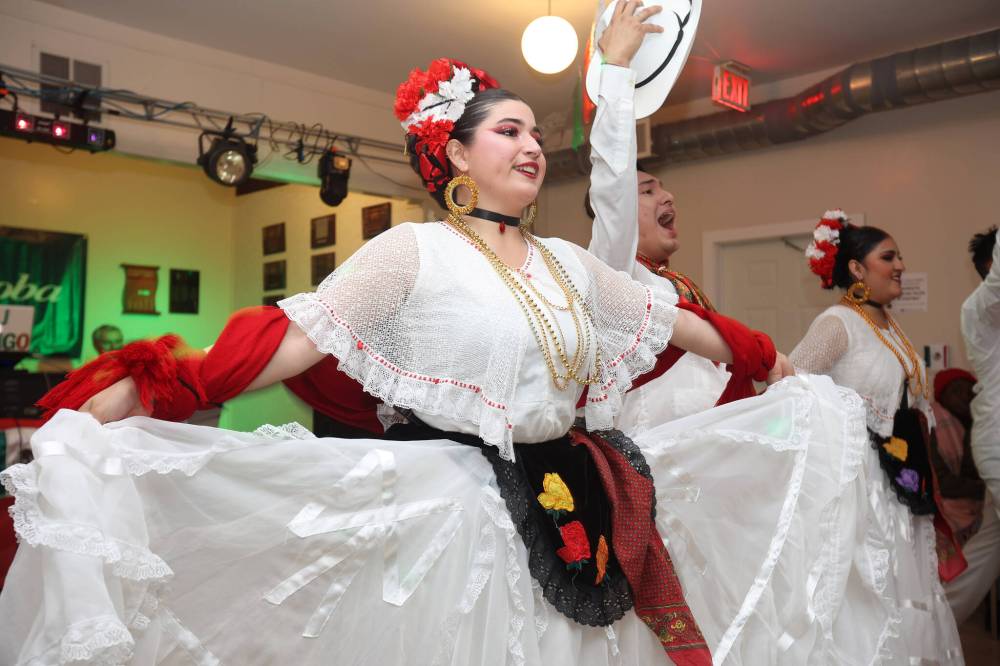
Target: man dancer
(981,330)
(635,231)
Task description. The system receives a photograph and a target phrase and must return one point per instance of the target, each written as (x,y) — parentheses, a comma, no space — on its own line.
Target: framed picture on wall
(139,296)
(273,299)
(375,219)
(322,265)
(323,231)
(184,291)
(274,275)
(273,237)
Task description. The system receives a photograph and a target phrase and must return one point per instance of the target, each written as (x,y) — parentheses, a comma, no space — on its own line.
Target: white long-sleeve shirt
(981,330)
(614,184)
(693,384)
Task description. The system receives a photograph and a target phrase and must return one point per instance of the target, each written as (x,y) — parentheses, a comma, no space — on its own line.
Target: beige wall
(296,205)
(143,212)
(132,211)
(927,174)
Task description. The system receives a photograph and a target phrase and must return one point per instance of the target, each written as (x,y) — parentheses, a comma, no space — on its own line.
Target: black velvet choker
(501,219)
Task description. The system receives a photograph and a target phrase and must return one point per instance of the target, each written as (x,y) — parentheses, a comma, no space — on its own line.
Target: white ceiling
(375,43)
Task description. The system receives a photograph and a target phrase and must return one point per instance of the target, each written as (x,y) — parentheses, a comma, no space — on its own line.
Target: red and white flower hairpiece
(428,104)
(822,250)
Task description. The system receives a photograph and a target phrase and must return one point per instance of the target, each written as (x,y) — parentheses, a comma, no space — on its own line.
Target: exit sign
(731,86)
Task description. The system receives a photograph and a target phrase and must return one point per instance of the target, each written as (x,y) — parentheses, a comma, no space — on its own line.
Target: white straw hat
(661,57)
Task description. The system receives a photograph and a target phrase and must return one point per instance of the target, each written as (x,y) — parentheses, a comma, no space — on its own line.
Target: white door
(767,285)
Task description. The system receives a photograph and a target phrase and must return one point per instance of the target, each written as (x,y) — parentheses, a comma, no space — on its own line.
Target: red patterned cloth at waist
(659,598)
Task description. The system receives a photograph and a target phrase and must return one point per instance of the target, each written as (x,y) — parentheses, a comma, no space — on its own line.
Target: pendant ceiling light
(549,43)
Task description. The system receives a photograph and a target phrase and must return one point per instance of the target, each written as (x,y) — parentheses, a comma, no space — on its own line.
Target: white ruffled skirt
(146,542)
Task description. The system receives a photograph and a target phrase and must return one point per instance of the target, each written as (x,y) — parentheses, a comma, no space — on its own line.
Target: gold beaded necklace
(914,378)
(550,339)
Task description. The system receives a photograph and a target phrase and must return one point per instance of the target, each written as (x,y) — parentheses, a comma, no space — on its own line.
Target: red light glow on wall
(731,86)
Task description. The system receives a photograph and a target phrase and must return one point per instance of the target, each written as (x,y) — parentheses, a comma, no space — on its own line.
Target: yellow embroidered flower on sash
(556,496)
(897,448)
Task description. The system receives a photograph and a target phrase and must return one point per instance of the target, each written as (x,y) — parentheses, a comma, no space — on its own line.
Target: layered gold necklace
(914,377)
(540,311)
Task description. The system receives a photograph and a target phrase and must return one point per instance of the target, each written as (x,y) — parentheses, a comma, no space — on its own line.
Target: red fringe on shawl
(174,380)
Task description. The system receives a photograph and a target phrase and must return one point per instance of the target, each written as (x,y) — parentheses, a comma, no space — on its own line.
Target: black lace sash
(573,593)
(908,467)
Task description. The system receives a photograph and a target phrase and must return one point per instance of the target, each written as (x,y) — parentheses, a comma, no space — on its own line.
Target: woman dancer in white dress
(146,541)
(860,346)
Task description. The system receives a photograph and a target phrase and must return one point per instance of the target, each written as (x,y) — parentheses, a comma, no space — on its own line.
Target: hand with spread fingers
(623,36)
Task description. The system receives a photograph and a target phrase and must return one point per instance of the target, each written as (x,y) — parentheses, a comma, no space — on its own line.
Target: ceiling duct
(950,69)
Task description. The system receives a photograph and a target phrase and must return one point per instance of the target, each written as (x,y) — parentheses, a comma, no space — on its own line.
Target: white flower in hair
(835,214)
(459,89)
(813,252)
(825,233)
(448,103)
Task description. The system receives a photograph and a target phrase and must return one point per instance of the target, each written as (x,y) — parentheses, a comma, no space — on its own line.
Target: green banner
(48,271)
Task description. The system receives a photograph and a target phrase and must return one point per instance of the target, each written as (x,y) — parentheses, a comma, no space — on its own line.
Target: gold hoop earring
(449,199)
(532,213)
(856,297)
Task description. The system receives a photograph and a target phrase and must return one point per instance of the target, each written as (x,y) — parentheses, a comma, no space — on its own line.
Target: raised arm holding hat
(633,229)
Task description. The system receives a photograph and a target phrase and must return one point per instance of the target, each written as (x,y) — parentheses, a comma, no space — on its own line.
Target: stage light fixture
(24,123)
(333,171)
(60,130)
(229,160)
(32,128)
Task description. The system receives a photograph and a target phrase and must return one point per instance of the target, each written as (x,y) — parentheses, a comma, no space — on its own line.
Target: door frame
(714,241)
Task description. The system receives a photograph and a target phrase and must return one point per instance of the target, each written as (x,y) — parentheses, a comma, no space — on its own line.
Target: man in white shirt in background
(634,216)
(981,330)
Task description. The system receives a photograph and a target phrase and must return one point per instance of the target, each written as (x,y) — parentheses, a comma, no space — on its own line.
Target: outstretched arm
(294,354)
(699,336)
(694,334)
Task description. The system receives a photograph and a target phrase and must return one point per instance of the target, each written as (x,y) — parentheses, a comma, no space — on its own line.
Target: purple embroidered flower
(909,479)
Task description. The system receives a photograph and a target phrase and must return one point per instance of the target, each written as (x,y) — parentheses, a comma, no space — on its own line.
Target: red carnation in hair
(431,133)
(432,136)
(438,71)
(823,266)
(409,93)
(822,250)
